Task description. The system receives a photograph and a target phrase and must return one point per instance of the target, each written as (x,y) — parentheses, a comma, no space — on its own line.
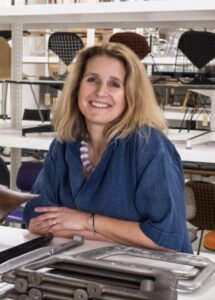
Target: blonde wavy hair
(141,109)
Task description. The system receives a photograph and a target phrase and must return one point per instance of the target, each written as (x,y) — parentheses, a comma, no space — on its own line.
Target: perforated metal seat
(195,57)
(134,41)
(62,46)
(190,206)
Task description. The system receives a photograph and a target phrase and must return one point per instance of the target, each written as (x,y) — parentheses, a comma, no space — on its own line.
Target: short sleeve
(162,187)
(44,185)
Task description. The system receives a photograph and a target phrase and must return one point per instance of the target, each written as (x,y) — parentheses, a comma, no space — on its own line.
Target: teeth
(99,104)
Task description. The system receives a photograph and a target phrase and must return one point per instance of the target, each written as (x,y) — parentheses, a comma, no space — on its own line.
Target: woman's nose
(101,90)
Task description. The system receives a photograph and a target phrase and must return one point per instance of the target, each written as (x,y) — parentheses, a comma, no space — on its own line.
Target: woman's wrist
(91,223)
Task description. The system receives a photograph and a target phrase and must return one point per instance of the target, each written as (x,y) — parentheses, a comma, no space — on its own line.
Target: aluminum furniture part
(192,271)
(39,254)
(91,279)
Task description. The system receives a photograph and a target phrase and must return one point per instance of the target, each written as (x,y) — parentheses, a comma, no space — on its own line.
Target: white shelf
(134,14)
(183,13)
(13,138)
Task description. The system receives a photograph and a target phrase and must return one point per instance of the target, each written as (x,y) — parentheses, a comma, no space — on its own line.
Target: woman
(111,174)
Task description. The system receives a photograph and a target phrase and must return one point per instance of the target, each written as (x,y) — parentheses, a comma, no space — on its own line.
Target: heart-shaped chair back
(198,47)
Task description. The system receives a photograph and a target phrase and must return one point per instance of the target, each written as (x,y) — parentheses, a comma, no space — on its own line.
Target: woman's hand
(53,219)
(66,222)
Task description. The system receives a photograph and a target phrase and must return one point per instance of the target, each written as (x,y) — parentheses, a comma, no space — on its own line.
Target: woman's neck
(97,144)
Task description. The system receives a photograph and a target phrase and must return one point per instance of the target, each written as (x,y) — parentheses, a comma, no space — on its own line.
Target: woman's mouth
(99,104)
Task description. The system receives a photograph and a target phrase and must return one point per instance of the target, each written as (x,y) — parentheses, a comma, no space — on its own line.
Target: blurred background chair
(6,34)
(5,71)
(33,115)
(4,173)
(195,57)
(26,176)
(190,206)
(5,75)
(134,41)
(195,105)
(139,45)
(204,197)
(62,49)
(209,240)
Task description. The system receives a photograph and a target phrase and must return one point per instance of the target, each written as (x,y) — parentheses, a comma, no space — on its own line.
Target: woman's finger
(47,209)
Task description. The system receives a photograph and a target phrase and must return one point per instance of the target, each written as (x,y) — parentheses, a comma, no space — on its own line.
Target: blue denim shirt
(139,178)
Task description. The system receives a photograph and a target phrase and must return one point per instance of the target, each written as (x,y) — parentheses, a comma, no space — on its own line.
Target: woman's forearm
(124,232)
(88,235)
(66,222)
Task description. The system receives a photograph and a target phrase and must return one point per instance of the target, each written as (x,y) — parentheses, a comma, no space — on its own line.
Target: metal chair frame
(64,46)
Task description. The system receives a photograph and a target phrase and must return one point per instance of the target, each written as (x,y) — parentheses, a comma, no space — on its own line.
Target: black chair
(195,64)
(195,57)
(204,219)
(6,34)
(33,114)
(4,173)
(62,46)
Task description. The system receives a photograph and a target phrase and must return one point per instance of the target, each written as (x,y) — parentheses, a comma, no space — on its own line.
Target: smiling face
(101,97)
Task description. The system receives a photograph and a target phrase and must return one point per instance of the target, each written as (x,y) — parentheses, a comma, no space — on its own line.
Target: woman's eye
(114,84)
(91,79)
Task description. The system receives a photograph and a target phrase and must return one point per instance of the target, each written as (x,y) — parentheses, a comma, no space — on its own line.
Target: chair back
(25,179)
(27,175)
(62,46)
(195,57)
(5,59)
(33,114)
(6,34)
(134,41)
(4,173)
(190,203)
(204,193)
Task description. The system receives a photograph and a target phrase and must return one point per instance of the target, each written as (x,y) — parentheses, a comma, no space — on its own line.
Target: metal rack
(188,13)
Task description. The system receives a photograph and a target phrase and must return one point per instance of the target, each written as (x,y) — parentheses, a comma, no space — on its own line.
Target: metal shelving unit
(162,14)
